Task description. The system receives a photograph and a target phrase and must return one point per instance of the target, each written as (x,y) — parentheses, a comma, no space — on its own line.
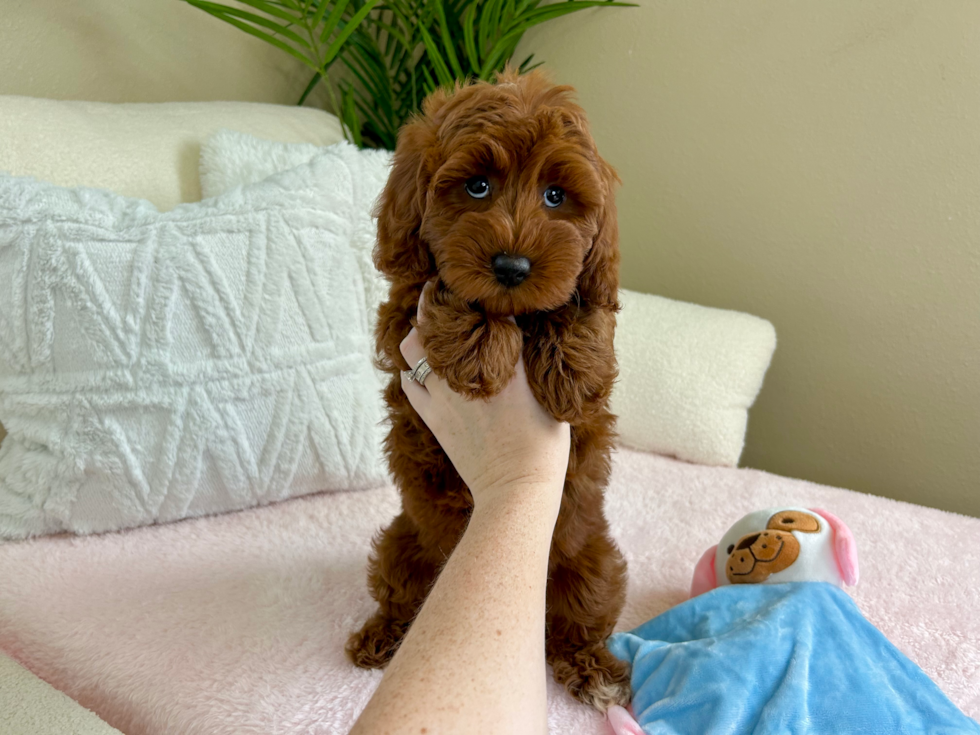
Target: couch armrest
(30,706)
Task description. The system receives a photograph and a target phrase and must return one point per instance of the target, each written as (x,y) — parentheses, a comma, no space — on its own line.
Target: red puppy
(498,193)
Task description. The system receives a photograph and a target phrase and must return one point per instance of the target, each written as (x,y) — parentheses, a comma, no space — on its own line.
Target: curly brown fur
(524,134)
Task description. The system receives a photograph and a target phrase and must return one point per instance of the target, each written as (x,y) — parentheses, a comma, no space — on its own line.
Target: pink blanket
(235,624)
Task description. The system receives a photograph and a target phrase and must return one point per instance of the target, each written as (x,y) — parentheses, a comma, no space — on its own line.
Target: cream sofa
(181,667)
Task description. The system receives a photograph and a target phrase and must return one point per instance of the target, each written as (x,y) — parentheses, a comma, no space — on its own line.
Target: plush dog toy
(769,642)
(780,545)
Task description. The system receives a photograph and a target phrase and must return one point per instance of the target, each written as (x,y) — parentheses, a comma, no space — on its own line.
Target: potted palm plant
(392,53)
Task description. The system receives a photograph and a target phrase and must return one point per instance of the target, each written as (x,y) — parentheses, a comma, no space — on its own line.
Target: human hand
(502,447)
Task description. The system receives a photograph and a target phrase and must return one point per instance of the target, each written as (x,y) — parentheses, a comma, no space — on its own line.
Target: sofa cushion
(147,151)
(688,375)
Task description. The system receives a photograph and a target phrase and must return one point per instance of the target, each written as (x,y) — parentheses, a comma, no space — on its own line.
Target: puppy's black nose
(510,271)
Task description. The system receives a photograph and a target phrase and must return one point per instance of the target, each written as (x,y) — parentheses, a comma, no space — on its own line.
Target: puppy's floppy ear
(598,284)
(401,253)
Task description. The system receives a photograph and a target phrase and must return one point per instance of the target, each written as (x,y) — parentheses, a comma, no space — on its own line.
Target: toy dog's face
(753,557)
(506,196)
(780,545)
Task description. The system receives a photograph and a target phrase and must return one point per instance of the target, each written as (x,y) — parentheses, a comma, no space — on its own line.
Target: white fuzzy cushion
(230,158)
(688,373)
(155,366)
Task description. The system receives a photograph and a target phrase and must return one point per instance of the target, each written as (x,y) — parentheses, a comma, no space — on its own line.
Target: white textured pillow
(688,373)
(155,366)
(230,159)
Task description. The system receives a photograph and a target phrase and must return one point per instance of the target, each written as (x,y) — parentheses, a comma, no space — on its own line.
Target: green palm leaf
(349,28)
(393,52)
(469,37)
(218,11)
(348,114)
(332,20)
(223,12)
(447,41)
(442,71)
(309,88)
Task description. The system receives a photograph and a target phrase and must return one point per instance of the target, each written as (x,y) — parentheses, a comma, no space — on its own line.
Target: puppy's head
(498,189)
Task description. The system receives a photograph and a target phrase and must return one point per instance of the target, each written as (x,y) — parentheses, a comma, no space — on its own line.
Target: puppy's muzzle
(510,271)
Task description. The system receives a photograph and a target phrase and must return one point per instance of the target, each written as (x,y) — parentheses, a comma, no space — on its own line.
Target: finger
(417,395)
(424,298)
(411,348)
(519,368)
(518,381)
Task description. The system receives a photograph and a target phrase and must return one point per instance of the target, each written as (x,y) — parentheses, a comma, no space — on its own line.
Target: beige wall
(818,164)
(137,51)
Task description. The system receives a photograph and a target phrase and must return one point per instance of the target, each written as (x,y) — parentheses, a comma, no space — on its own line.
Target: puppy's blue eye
(478,187)
(554,196)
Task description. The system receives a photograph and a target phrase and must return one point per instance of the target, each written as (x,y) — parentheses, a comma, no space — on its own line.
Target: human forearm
(473,660)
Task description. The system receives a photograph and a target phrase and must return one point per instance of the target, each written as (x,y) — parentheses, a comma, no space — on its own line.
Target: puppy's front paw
(474,353)
(566,392)
(483,361)
(570,363)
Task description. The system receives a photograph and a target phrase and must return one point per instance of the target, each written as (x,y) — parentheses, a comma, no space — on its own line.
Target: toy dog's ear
(401,254)
(622,722)
(598,284)
(845,549)
(705,579)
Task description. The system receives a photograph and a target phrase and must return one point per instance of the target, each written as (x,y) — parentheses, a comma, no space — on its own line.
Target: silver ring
(420,372)
(411,373)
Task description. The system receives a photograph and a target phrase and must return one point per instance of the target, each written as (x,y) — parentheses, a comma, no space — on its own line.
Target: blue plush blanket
(781,658)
